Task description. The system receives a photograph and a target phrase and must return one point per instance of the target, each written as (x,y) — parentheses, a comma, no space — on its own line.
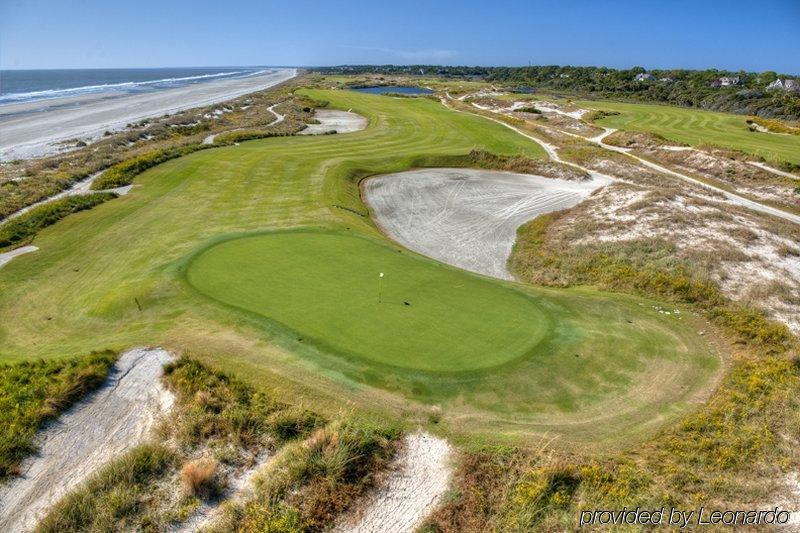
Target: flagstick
(380,278)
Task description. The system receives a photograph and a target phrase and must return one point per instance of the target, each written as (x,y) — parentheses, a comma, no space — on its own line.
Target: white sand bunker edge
(111,420)
(419,478)
(335,120)
(465,217)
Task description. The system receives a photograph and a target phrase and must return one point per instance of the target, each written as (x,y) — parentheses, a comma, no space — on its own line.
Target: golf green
(326,287)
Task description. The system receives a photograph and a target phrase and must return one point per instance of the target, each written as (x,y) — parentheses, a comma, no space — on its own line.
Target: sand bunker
(335,120)
(115,418)
(466,217)
(418,479)
(5,257)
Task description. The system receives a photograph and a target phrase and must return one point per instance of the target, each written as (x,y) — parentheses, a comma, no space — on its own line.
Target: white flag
(381,274)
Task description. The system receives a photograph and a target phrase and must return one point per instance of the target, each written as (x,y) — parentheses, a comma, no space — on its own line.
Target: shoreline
(27,134)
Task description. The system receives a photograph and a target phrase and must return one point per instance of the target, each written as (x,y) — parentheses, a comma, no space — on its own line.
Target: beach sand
(26,132)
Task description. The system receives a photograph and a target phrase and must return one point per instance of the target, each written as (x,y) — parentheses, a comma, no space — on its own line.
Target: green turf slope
(695,126)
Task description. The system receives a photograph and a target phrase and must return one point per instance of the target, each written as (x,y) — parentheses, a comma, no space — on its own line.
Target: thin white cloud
(425,55)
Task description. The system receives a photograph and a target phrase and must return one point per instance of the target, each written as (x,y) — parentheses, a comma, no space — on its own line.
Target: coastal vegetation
(21,229)
(718,455)
(33,392)
(23,183)
(314,469)
(123,173)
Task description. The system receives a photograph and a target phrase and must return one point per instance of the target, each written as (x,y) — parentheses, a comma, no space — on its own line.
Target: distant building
(726,81)
(645,76)
(784,85)
(666,80)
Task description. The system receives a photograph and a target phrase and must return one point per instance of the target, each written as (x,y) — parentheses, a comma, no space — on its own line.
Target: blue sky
(729,34)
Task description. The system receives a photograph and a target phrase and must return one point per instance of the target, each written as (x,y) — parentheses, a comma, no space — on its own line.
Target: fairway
(696,126)
(295,312)
(325,286)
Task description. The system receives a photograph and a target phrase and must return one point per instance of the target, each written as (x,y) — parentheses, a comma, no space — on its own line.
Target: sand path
(113,419)
(5,257)
(418,479)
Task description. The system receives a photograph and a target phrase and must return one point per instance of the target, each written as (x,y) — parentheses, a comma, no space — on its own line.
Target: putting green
(427,317)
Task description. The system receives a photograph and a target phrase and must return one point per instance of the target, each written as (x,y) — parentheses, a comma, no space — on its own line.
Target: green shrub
(24,227)
(246,135)
(123,173)
(599,114)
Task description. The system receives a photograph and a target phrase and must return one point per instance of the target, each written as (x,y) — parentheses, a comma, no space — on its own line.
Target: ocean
(32,85)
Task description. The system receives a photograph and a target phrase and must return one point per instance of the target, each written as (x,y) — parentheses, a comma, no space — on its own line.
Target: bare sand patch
(417,481)
(466,217)
(110,421)
(335,120)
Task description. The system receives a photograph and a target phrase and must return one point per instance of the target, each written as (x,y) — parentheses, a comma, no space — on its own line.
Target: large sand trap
(335,120)
(466,217)
(5,257)
(113,419)
(25,134)
(418,479)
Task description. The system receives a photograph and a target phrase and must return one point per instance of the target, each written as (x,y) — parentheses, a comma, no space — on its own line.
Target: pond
(401,89)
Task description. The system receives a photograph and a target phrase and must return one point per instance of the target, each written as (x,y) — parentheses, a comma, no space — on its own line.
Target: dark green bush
(23,228)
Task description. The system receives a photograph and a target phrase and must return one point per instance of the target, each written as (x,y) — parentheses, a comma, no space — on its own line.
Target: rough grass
(214,407)
(32,393)
(22,229)
(729,454)
(117,498)
(217,423)
(312,482)
(198,477)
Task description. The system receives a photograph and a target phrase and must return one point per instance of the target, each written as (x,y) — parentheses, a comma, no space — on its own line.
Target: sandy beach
(26,132)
